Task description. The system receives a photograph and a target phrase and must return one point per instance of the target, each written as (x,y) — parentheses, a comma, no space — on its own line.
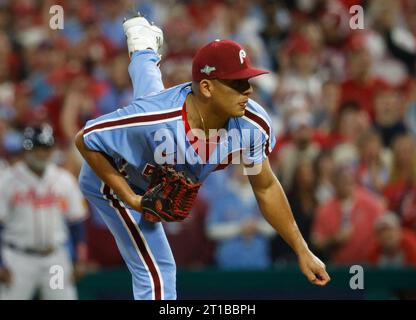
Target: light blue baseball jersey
(149,131)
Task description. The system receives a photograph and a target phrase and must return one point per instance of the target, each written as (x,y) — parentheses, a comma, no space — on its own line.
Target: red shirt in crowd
(395,193)
(366,208)
(361,93)
(407,249)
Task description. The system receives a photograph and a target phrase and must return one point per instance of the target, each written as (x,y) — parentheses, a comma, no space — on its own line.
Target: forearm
(276,210)
(106,171)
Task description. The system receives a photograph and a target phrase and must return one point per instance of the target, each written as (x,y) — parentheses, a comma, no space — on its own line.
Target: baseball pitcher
(146,161)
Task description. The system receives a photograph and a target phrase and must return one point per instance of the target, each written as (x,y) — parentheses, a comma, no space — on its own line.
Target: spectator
(325,114)
(395,246)
(389,115)
(410,107)
(276,20)
(303,201)
(115,91)
(302,146)
(373,170)
(345,223)
(408,210)
(348,127)
(235,223)
(78,106)
(72,97)
(12,146)
(384,21)
(360,86)
(111,24)
(301,78)
(332,59)
(403,172)
(324,167)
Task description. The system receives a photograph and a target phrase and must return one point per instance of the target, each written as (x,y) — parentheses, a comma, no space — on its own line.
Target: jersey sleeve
(259,137)
(117,134)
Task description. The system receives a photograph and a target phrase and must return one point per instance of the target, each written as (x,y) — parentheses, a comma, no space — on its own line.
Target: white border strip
(133,125)
(133,115)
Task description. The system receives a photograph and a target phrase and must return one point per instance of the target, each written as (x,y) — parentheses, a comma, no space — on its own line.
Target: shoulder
(163,106)
(13,177)
(173,97)
(254,108)
(256,115)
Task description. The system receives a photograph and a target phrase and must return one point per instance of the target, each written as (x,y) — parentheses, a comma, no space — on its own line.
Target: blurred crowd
(342,101)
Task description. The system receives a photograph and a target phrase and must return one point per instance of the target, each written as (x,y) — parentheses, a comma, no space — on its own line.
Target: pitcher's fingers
(322,277)
(320,282)
(310,275)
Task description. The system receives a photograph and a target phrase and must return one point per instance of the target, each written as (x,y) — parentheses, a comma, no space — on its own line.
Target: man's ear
(206,88)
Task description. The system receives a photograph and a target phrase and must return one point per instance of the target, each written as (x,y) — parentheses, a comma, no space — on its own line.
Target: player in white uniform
(39,204)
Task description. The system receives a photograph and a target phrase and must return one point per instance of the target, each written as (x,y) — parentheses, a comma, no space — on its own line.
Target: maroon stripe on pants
(139,241)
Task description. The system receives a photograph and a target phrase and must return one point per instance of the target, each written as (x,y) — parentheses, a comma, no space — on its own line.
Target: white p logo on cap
(242,55)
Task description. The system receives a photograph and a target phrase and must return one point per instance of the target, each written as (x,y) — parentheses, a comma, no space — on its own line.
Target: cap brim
(245,74)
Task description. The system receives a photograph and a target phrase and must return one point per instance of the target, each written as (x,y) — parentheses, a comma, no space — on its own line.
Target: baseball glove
(170,195)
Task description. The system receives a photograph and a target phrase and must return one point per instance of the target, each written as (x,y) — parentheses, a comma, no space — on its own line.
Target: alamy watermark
(56,281)
(357,19)
(357,280)
(56,22)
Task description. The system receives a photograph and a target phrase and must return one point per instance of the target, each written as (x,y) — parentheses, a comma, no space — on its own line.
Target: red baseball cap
(223,59)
